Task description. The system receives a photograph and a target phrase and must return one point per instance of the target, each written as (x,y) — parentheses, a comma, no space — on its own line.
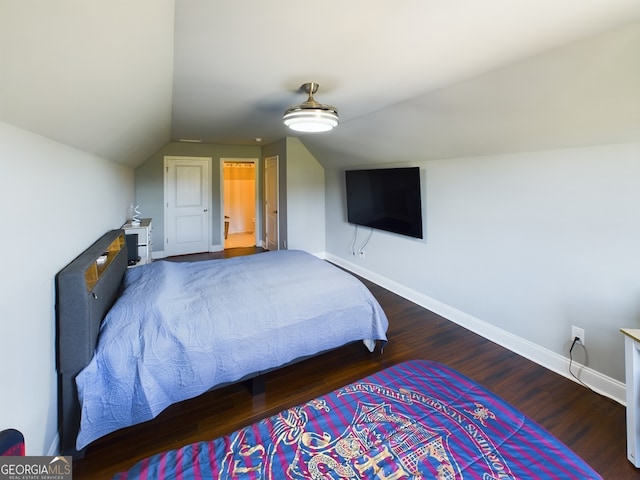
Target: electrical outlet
(577,332)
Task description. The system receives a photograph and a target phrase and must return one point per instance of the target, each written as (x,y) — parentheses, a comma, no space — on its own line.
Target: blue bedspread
(178,329)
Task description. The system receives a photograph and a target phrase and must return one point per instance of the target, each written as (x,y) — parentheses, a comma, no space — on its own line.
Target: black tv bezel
(417,225)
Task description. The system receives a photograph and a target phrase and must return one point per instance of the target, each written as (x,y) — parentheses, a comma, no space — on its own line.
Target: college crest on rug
(417,419)
(378,442)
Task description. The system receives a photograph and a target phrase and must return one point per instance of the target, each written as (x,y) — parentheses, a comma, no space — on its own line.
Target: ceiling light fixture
(311,116)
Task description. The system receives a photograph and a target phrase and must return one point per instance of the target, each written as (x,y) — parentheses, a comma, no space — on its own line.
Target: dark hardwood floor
(591,425)
(230,252)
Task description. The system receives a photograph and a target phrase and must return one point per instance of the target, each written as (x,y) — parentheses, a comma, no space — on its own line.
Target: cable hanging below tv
(385,199)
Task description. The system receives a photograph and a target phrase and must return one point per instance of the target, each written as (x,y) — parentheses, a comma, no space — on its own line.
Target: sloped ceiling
(95,75)
(411,79)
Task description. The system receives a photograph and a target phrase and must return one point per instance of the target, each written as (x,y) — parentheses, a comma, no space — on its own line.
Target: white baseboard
(559,364)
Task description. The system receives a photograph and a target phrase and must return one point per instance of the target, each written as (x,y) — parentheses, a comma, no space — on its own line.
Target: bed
(417,419)
(131,342)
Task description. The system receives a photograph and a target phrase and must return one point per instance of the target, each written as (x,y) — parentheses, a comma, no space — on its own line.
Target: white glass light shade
(311,116)
(310,120)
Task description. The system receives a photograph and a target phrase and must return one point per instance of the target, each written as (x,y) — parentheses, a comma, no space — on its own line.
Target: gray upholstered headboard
(85,290)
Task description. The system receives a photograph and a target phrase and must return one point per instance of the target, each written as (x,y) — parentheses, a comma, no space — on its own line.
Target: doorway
(239,202)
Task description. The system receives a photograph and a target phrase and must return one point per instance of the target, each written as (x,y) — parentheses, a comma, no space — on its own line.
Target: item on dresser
(135,215)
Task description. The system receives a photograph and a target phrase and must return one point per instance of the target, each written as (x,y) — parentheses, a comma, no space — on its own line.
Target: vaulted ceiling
(412,79)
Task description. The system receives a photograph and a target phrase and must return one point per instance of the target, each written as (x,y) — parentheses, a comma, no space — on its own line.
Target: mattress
(180,329)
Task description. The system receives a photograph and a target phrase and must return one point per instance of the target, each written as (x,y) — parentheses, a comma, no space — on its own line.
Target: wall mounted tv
(386,199)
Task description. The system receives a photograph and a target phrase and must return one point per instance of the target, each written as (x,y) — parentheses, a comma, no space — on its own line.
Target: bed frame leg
(257,385)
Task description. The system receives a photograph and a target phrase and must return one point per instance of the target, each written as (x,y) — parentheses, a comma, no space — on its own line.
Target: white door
(271,201)
(187,210)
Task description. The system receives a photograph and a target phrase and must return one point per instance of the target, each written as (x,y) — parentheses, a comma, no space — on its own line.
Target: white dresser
(632,378)
(145,238)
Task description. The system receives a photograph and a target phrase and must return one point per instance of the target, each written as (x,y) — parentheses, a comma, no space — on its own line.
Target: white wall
(530,243)
(56,201)
(305,199)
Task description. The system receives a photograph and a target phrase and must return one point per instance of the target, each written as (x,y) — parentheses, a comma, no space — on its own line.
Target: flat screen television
(385,199)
